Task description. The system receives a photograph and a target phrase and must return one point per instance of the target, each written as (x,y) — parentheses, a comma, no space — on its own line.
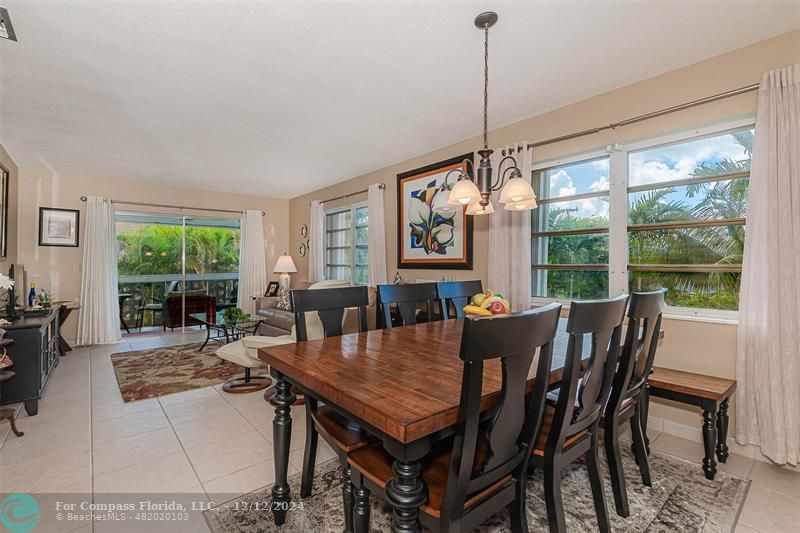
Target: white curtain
(376,235)
(510,236)
(768,354)
(99,320)
(316,253)
(252,265)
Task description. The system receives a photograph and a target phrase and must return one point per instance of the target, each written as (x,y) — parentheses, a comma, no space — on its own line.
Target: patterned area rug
(160,371)
(681,499)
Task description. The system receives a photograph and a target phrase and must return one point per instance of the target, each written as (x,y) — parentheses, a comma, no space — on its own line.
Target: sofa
(278,322)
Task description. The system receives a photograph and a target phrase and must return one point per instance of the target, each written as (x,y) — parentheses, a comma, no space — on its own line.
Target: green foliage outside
(721,245)
(156,249)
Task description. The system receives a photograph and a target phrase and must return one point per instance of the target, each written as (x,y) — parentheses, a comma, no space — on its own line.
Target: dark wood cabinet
(35,354)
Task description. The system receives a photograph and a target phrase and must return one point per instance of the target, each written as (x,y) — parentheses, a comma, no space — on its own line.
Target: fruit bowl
(487,303)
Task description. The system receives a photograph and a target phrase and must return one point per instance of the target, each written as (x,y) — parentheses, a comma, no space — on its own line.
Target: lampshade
(464,193)
(284,264)
(516,190)
(523,205)
(441,202)
(478,209)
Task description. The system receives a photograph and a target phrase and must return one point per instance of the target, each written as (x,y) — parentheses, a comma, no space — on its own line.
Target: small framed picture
(272,289)
(59,227)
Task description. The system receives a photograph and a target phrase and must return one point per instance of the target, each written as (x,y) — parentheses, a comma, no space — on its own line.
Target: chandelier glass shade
(464,192)
(478,209)
(516,190)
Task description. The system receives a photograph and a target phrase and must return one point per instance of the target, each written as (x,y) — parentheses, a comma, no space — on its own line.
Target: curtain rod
(647,116)
(170,206)
(381,186)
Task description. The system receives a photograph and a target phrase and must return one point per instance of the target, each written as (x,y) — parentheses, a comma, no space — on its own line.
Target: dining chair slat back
(330,304)
(586,383)
(628,399)
(641,340)
(503,446)
(406,297)
(570,430)
(458,293)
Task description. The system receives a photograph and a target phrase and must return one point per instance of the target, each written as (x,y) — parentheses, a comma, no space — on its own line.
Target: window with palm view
(668,212)
(346,256)
(570,231)
(152,250)
(686,219)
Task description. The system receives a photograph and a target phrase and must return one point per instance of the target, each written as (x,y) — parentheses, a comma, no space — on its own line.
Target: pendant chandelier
(476,193)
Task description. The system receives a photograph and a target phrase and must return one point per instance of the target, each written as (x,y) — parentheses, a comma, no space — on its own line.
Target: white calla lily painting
(430,233)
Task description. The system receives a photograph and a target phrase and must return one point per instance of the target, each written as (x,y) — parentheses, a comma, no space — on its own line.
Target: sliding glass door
(171,266)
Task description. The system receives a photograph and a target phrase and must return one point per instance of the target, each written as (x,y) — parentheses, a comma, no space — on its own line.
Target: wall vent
(6,29)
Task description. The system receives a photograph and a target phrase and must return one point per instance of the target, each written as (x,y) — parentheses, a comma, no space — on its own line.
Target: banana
(475,310)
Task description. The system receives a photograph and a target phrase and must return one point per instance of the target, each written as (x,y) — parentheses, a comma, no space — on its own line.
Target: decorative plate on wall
(303,231)
(302,250)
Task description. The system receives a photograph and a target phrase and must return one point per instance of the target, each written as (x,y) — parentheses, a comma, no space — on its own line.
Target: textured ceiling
(281,98)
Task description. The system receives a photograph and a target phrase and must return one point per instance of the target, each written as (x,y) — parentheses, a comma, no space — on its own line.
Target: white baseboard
(695,434)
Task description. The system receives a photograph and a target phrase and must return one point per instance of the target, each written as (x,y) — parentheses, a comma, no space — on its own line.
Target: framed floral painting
(431,235)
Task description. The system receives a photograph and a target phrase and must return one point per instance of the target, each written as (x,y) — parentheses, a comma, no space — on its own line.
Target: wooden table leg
(406,492)
(282,440)
(709,439)
(722,432)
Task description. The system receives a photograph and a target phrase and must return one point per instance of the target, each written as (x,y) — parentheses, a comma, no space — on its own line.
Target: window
(686,219)
(570,231)
(346,255)
(668,212)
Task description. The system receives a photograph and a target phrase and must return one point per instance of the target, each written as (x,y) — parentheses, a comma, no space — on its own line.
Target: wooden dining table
(403,385)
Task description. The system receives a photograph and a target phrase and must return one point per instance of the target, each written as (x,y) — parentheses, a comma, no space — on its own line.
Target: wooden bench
(707,392)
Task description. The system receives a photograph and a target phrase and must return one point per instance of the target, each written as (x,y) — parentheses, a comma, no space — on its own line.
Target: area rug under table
(160,371)
(681,499)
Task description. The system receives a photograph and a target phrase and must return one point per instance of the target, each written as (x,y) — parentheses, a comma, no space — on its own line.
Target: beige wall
(13,179)
(696,346)
(59,269)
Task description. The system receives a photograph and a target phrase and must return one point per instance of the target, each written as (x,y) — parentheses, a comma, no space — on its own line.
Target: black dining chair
(341,434)
(569,429)
(628,400)
(458,293)
(405,298)
(481,469)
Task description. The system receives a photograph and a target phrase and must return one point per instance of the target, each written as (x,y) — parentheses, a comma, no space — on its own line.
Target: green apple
(478,299)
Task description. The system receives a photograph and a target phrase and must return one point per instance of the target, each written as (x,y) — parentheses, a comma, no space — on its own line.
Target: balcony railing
(149,288)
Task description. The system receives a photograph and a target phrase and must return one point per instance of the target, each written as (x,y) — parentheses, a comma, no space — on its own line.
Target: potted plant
(45,298)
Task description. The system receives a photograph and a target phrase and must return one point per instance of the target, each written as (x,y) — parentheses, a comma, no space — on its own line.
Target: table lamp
(284,266)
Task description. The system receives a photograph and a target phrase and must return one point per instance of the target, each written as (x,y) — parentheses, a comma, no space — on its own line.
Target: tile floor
(209,443)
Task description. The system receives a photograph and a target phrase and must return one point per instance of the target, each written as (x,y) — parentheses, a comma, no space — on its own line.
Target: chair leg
(552,496)
(309,454)
(519,517)
(611,437)
(347,497)
(640,447)
(597,486)
(361,508)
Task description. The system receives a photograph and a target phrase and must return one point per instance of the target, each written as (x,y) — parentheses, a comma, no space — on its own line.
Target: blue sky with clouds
(662,164)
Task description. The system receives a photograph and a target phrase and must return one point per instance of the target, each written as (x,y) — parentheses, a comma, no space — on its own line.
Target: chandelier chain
(486,87)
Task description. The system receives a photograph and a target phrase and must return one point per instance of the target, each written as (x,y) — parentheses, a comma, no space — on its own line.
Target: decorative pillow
(284,303)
